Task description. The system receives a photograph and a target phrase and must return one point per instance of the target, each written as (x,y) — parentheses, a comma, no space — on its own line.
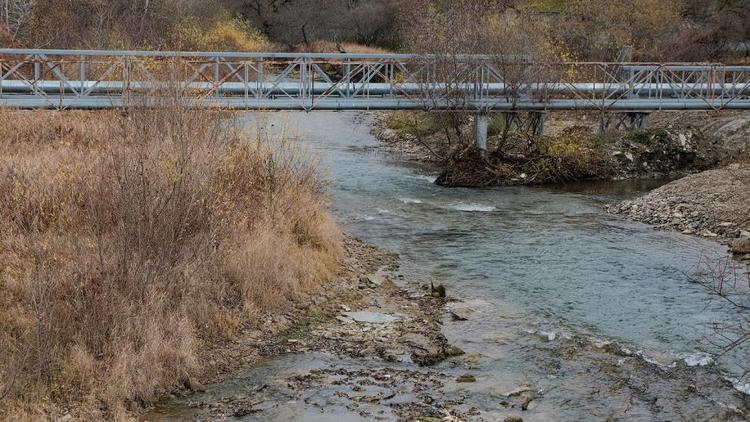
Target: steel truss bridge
(289,81)
(92,79)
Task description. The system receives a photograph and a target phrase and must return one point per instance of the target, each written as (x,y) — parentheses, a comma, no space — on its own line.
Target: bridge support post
(633,120)
(481,122)
(638,121)
(536,123)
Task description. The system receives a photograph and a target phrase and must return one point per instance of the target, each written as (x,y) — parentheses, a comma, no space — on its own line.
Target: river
(534,264)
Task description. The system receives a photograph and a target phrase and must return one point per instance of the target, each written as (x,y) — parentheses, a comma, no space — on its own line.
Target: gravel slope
(713,204)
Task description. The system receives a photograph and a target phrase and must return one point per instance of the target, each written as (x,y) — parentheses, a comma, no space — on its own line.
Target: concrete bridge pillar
(481,121)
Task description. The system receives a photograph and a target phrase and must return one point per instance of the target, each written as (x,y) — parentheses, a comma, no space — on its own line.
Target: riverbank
(714,204)
(360,314)
(570,149)
(405,325)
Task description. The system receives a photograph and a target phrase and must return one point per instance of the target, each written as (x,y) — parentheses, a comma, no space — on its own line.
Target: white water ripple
(424,177)
(697,359)
(472,207)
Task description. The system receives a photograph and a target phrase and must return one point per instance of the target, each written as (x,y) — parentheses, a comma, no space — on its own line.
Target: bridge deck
(286,81)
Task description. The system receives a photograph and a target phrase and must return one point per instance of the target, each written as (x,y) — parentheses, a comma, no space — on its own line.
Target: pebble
(466,378)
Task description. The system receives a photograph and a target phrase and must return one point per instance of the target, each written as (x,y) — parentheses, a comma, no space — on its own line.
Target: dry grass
(322,46)
(223,35)
(130,240)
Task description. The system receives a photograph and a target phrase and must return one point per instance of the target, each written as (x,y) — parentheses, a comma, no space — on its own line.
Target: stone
(437,291)
(457,316)
(461,311)
(194,385)
(466,378)
(424,352)
(452,350)
(683,140)
(527,399)
(367,317)
(375,280)
(513,419)
(518,391)
(741,246)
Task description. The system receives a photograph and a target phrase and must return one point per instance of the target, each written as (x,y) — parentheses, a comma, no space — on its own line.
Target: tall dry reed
(132,239)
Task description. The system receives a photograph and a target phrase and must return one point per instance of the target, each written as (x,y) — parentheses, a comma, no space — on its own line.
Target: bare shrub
(131,239)
(596,30)
(512,42)
(295,22)
(338,47)
(131,24)
(728,281)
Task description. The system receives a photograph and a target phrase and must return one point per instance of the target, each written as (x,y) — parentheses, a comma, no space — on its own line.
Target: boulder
(741,246)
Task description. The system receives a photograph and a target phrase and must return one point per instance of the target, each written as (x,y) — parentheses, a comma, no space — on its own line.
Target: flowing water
(535,264)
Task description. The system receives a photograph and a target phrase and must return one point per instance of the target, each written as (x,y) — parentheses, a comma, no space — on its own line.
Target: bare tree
(16,16)
(511,44)
(294,22)
(728,281)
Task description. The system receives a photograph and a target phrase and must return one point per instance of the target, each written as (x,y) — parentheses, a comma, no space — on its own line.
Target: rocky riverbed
(359,315)
(714,204)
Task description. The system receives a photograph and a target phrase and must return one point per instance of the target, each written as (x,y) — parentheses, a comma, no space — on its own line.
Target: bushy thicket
(586,30)
(132,239)
(128,24)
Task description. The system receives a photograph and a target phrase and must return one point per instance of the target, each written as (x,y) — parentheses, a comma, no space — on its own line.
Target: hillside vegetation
(589,30)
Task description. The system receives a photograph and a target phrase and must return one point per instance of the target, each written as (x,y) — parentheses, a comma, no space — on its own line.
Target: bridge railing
(308,81)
